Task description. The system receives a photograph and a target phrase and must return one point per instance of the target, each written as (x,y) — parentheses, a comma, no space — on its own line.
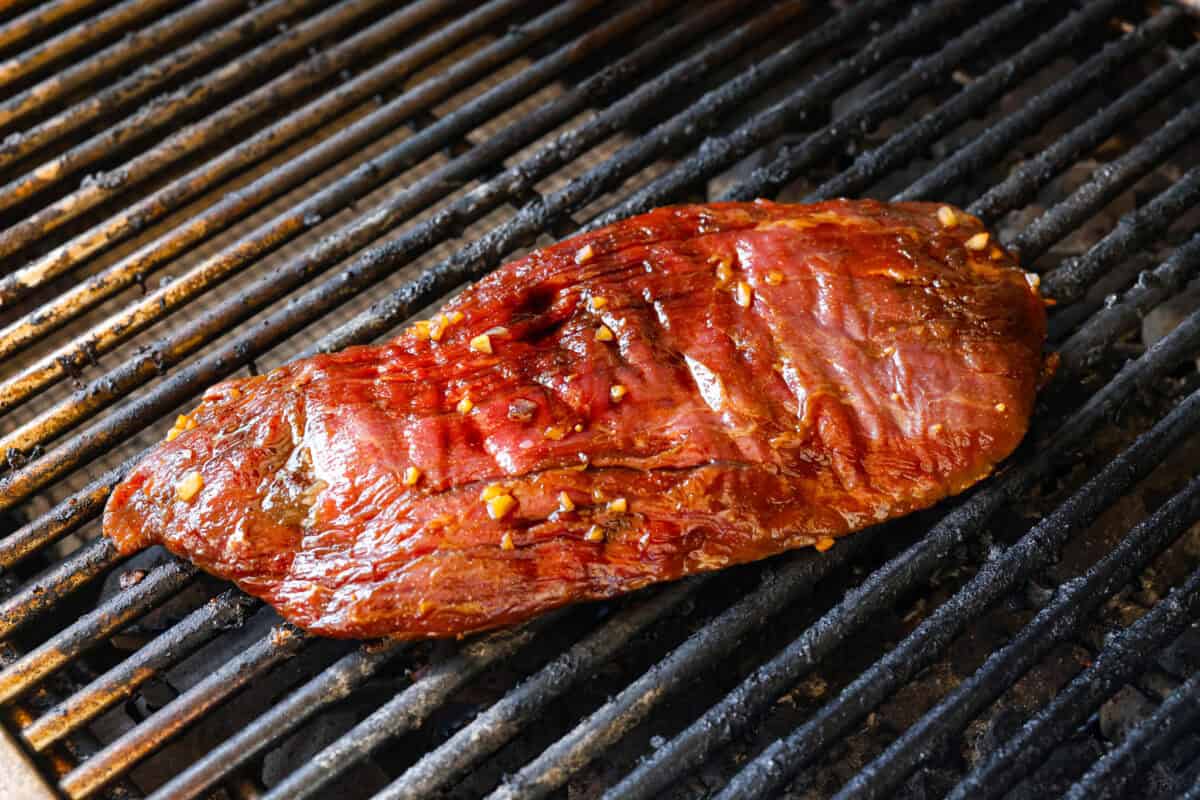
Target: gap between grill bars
(623,129)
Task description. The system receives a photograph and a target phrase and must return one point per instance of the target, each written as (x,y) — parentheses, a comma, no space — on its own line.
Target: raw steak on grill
(681,391)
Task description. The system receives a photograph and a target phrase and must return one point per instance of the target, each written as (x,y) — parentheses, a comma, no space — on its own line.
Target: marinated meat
(682,391)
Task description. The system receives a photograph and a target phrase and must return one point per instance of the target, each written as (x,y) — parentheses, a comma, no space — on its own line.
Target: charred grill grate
(310,175)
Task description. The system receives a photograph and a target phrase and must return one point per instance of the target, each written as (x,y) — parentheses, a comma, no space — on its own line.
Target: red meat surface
(681,391)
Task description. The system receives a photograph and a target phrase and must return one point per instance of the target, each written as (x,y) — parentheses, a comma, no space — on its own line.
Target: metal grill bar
(1118,663)
(242,30)
(783,759)
(1086,346)
(379,261)
(118,756)
(489,731)
(84,34)
(1111,180)
(206,131)
(65,518)
(304,120)
(882,587)
(1071,279)
(1000,138)
(228,610)
(779,588)
(273,233)
(1142,747)
(716,153)
(407,710)
(331,685)
(1059,620)
(901,148)
(37,20)
(113,57)
(1039,169)
(46,590)
(1132,232)
(882,103)
(93,628)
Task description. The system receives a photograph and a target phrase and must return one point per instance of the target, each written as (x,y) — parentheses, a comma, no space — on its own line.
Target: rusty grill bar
(266,140)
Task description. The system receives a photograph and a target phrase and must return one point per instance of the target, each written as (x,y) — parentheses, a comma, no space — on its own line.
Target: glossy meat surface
(688,389)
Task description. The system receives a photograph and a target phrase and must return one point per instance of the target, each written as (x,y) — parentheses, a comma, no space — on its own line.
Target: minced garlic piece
(617,392)
(947,217)
(506,542)
(564,502)
(189,486)
(182,423)
(743,294)
(1001,407)
(411,476)
(440,323)
(618,506)
(604,334)
(465,405)
(977,242)
(724,272)
(823,544)
(420,329)
(499,507)
(774,277)
(594,534)
(597,303)
(492,490)
(584,254)
(554,432)
(482,343)
(455,317)
(935,428)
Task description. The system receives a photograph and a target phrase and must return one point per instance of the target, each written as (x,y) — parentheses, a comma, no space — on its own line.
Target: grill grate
(315,174)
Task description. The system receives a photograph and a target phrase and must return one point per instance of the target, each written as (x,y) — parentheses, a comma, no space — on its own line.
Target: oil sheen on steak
(688,389)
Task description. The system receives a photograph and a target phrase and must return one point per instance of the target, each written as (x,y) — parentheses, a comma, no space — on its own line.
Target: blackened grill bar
(972,100)
(522,705)
(38,20)
(1065,615)
(888,99)
(1154,737)
(229,609)
(1002,137)
(205,132)
(104,25)
(1119,661)
(126,49)
(1118,175)
(73,253)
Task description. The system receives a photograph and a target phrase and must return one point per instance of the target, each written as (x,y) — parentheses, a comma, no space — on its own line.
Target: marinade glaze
(681,391)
